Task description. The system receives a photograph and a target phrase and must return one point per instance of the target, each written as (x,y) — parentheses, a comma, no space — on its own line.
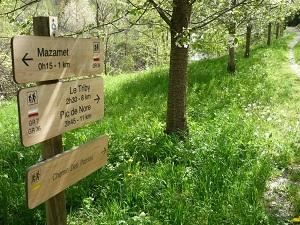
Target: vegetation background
(243,127)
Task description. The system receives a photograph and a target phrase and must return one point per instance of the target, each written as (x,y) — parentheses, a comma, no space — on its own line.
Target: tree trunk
(277,30)
(106,54)
(178,76)
(231,58)
(248,40)
(269,33)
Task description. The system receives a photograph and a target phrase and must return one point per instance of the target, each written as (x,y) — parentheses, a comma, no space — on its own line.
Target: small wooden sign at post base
(49,177)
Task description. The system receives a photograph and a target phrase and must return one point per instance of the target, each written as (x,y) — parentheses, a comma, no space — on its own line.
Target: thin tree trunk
(248,40)
(178,76)
(106,54)
(269,33)
(231,58)
(277,30)
(232,30)
(231,61)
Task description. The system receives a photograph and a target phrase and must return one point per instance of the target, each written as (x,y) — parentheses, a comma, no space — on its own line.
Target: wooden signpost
(53,108)
(37,58)
(49,110)
(49,177)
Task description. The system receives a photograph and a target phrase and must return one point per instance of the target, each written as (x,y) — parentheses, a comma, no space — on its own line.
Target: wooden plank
(37,58)
(53,175)
(48,110)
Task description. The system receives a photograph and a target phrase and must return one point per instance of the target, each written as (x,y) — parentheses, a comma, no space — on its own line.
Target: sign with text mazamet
(37,58)
(49,177)
(52,109)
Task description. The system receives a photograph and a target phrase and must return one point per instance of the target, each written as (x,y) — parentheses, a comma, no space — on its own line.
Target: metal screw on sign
(53,26)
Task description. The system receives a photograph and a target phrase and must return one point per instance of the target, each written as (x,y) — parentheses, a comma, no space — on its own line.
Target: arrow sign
(49,177)
(104,151)
(97,99)
(24,59)
(55,58)
(46,111)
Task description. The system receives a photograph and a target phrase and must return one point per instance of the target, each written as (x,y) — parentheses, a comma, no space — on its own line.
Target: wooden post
(55,206)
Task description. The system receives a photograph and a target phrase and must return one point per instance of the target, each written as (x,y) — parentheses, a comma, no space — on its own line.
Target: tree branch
(161,12)
(215,16)
(21,7)
(192,2)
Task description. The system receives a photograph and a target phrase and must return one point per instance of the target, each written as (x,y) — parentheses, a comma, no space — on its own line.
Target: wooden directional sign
(37,58)
(49,110)
(52,176)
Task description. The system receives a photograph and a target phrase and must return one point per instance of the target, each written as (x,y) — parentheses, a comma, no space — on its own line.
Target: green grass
(243,128)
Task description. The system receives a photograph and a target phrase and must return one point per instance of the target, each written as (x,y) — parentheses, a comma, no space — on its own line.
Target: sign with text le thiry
(37,58)
(49,110)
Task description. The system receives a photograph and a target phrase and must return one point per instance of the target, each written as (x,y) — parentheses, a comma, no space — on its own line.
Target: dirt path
(276,194)
(294,65)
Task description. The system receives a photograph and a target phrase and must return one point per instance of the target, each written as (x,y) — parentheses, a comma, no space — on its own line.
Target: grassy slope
(294,171)
(243,127)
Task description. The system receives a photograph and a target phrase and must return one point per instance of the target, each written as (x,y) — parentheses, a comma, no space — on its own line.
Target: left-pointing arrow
(24,59)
